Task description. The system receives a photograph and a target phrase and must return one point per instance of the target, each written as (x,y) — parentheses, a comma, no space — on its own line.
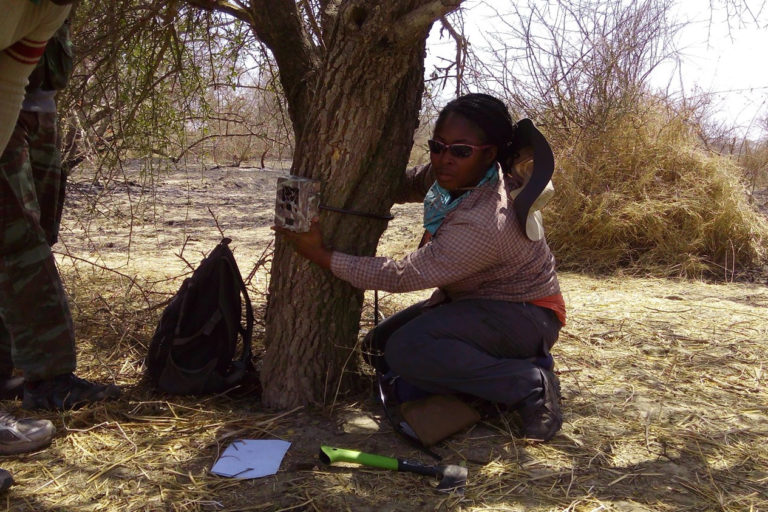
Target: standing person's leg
(9,157)
(38,150)
(6,362)
(50,182)
(483,348)
(14,160)
(11,386)
(16,435)
(33,304)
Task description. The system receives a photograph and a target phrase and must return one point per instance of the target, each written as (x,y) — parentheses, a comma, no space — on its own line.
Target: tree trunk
(356,139)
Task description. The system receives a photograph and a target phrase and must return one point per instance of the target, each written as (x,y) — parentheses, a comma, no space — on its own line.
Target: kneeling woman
(488,329)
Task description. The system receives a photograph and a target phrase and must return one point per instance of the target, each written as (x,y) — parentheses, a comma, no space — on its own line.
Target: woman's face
(453,172)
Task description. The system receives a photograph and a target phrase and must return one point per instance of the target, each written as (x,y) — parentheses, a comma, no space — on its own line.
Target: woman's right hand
(308,244)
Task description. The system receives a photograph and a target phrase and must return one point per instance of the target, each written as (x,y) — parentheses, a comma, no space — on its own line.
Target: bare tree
(739,11)
(165,79)
(576,64)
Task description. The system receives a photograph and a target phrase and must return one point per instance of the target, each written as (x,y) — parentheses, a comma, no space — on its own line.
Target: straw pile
(644,196)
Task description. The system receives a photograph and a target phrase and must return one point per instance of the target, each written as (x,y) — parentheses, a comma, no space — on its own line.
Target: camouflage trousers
(36,331)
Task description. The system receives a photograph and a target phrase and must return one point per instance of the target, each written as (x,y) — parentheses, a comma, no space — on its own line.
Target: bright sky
(731,66)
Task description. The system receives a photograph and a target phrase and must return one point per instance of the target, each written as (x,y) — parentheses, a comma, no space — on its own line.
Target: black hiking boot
(542,420)
(66,392)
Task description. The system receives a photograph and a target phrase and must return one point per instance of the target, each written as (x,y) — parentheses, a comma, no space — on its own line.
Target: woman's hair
(491,116)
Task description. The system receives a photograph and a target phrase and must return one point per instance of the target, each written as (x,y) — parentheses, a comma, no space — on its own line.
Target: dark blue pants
(486,348)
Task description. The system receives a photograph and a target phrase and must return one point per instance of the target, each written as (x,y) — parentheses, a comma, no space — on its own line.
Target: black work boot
(542,420)
(65,392)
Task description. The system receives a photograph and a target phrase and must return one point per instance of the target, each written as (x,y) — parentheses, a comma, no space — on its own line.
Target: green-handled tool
(452,478)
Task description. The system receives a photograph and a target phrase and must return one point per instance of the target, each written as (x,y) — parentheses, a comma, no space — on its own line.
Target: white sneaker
(23,435)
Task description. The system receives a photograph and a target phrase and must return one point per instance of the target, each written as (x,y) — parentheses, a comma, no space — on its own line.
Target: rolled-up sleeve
(461,249)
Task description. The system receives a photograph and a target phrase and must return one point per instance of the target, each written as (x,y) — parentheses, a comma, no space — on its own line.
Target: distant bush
(643,195)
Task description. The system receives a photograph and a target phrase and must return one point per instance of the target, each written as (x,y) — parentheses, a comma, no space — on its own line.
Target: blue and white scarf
(437,202)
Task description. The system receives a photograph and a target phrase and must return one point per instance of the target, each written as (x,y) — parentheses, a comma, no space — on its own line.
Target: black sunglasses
(457,150)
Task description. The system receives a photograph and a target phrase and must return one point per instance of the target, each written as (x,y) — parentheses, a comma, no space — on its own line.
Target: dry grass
(664,403)
(644,196)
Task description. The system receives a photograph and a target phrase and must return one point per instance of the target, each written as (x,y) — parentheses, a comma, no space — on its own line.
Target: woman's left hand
(308,244)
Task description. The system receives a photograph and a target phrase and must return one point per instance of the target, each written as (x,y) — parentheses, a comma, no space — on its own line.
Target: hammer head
(453,478)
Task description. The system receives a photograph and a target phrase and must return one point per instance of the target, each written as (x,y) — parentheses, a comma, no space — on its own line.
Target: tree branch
(278,24)
(420,18)
(318,33)
(461,51)
(224,6)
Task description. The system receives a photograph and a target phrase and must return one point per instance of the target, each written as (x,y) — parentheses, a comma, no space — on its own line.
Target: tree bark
(356,141)
(354,94)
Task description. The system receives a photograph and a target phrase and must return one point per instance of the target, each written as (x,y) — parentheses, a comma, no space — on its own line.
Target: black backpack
(193,348)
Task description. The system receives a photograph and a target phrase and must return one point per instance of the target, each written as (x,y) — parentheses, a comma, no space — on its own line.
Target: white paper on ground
(251,458)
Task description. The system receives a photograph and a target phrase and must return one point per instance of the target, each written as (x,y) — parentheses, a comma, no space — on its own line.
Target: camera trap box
(297,203)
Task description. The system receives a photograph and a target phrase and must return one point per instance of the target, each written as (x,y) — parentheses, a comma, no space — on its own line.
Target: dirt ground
(662,383)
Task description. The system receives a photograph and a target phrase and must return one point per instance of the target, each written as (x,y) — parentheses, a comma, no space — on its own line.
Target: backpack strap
(206,329)
(247,332)
(243,364)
